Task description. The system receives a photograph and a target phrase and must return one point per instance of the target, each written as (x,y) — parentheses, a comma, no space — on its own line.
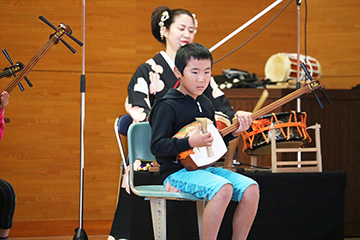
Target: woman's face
(181,32)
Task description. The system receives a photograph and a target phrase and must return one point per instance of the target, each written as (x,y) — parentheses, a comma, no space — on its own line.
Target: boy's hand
(4,99)
(245,121)
(197,139)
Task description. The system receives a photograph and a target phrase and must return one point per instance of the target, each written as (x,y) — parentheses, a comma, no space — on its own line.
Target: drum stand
(299,165)
(314,165)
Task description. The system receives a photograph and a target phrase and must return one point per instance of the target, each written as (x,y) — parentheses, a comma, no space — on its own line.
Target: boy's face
(195,78)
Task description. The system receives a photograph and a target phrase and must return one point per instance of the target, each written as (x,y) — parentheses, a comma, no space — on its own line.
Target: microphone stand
(80,233)
(298,100)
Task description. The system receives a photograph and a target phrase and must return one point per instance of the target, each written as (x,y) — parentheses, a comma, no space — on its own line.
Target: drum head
(282,67)
(277,68)
(296,139)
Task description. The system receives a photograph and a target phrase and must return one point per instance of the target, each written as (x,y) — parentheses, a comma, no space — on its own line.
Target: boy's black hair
(188,51)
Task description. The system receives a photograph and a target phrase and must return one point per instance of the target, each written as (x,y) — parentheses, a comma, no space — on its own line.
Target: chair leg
(200,206)
(318,146)
(158,214)
(273,149)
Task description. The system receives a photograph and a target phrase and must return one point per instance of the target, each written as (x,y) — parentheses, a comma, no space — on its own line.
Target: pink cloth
(2,123)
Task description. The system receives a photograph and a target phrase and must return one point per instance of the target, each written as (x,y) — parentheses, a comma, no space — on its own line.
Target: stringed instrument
(54,39)
(7,72)
(197,158)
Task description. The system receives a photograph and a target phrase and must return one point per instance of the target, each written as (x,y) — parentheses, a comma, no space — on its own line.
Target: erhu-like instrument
(53,40)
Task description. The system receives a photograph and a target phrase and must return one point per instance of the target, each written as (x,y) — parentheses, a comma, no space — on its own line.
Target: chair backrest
(124,123)
(139,137)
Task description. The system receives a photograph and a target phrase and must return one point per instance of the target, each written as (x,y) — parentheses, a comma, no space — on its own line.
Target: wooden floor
(104,237)
(62,230)
(59,230)
(94,238)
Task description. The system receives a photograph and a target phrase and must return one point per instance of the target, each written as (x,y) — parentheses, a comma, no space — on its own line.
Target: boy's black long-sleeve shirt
(168,115)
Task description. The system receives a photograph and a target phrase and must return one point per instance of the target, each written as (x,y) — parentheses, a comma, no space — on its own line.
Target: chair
(139,136)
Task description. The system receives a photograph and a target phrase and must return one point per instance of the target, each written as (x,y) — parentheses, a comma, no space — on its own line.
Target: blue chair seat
(158,191)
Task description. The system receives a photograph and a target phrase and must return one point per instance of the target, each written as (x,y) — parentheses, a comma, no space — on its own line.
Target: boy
(179,107)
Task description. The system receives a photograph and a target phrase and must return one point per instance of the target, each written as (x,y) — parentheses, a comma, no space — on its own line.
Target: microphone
(7,72)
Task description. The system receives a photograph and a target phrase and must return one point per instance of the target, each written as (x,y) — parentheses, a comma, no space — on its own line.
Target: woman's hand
(4,99)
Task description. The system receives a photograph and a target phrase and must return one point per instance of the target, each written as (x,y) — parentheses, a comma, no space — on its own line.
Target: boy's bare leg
(245,213)
(214,212)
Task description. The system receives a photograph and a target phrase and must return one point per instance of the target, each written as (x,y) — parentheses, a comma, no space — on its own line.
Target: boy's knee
(252,192)
(226,191)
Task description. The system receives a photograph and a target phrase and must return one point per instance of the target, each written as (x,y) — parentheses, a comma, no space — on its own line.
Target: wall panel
(332,33)
(40,152)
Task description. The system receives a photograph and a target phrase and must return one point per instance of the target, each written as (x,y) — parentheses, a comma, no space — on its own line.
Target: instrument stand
(80,233)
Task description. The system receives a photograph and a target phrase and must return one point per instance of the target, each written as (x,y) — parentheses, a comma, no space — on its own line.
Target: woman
(152,79)
(4,100)
(7,194)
